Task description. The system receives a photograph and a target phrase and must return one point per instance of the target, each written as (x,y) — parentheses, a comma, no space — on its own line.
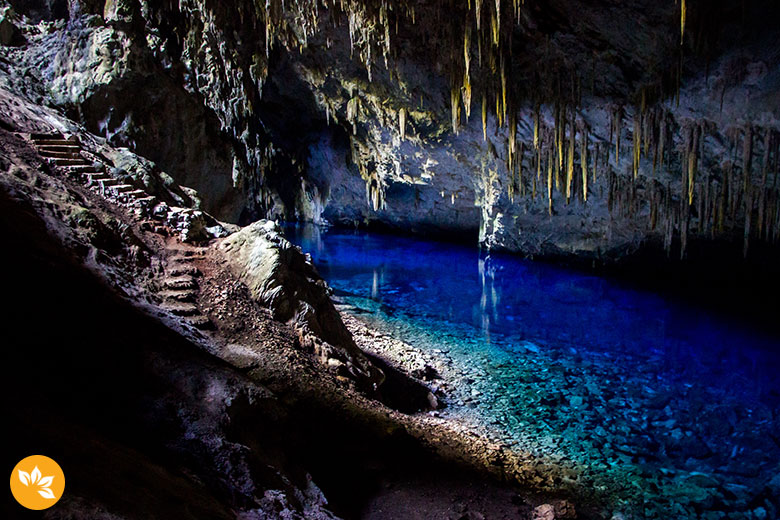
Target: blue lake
(670,410)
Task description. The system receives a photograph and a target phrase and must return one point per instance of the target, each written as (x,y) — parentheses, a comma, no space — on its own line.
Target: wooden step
(39,136)
(122,188)
(97,176)
(145,202)
(63,146)
(137,194)
(107,182)
(88,169)
(201,322)
(71,162)
(183,270)
(182,309)
(180,283)
(59,155)
(178,296)
(180,252)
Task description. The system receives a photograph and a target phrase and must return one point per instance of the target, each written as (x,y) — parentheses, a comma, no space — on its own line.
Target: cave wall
(320,115)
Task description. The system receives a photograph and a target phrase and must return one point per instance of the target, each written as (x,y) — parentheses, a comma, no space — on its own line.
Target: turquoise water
(670,411)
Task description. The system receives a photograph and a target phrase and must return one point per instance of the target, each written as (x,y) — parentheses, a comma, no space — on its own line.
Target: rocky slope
(174,371)
(338,112)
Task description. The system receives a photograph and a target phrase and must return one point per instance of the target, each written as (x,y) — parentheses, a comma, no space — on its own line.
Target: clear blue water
(670,410)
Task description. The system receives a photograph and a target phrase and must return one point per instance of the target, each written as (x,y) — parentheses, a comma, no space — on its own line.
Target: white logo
(36,479)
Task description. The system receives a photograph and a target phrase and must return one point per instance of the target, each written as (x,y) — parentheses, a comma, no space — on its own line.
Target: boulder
(280,277)
(544,512)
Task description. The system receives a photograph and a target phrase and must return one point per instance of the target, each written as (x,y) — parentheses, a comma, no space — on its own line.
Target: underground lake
(667,408)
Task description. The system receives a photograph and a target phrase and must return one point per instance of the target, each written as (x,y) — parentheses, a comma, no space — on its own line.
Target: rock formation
(547,128)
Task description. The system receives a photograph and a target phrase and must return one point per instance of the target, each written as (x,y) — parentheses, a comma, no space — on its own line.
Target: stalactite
(637,142)
(512,135)
(683,16)
(536,127)
(539,163)
(520,159)
(353,109)
(484,116)
(402,122)
(550,183)
(618,132)
(747,157)
(693,157)
(611,191)
(570,163)
(584,164)
(455,107)
(499,113)
(467,73)
(661,141)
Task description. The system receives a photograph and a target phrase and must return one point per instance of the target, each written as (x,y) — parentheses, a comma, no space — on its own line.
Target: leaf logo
(40,487)
(36,479)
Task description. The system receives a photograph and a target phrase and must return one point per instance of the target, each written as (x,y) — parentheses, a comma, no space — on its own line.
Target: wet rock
(426,373)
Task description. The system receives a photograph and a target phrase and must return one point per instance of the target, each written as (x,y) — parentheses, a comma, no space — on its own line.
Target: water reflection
(507,299)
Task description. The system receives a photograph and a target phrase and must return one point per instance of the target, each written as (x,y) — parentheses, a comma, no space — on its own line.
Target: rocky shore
(612,441)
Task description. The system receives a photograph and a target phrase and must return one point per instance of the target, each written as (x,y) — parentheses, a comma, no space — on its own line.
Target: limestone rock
(282,278)
(544,512)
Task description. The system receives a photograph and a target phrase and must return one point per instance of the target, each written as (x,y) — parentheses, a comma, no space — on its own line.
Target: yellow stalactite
(549,182)
(402,122)
(466,92)
(503,88)
(683,15)
(584,165)
(455,107)
(536,130)
(570,164)
(484,116)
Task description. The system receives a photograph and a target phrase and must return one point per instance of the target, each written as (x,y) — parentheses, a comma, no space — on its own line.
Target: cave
(388,259)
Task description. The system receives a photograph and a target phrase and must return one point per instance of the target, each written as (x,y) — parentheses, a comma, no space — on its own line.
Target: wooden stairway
(179,287)
(66,153)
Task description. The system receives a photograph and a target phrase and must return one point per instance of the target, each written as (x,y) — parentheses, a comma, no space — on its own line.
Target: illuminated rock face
(479,125)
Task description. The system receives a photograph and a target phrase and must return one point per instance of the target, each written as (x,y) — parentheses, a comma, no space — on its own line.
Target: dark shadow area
(87,381)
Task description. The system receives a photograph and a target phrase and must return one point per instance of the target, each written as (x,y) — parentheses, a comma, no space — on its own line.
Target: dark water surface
(673,411)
